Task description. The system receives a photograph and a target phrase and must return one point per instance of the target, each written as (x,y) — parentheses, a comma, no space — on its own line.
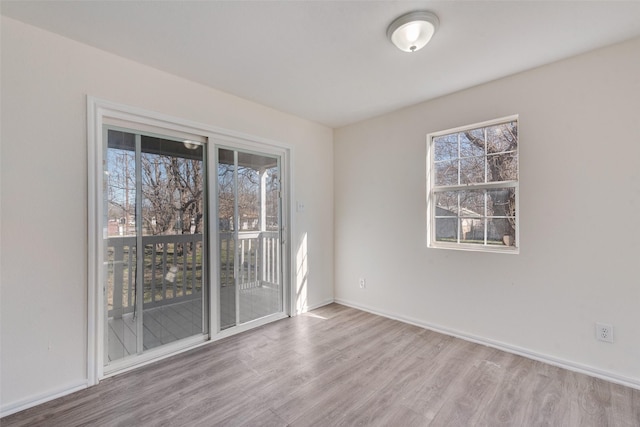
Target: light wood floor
(339,366)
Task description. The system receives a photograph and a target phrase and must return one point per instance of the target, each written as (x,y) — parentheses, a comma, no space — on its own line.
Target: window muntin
(473,187)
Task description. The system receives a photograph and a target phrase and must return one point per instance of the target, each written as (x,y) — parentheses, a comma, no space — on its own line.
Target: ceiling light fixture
(412,31)
(190,144)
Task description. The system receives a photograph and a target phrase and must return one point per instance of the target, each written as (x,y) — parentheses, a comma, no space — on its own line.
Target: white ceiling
(330,61)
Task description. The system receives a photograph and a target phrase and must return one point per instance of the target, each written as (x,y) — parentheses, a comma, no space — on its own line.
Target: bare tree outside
(172,195)
(121,192)
(248,194)
(171,187)
(469,166)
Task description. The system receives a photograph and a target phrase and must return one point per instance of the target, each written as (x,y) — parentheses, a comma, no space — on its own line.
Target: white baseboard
(21,405)
(530,354)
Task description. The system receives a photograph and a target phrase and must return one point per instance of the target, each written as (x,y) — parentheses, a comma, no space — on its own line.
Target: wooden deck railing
(172,271)
(259,258)
(173,267)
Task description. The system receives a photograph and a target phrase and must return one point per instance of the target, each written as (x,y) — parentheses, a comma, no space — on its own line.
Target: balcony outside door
(250,280)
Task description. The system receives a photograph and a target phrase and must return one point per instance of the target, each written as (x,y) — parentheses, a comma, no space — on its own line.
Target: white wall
(579,200)
(45,80)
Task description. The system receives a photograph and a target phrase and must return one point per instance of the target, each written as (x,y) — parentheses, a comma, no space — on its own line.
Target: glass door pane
(249,240)
(260,291)
(226,237)
(172,217)
(155,247)
(121,255)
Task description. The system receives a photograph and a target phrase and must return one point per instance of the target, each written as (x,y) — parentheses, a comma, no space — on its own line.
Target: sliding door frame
(101,112)
(283,156)
(234,141)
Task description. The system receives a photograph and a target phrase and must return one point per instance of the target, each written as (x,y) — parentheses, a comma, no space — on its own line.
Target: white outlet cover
(604,332)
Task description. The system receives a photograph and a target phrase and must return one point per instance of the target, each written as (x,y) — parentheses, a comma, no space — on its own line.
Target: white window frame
(432,190)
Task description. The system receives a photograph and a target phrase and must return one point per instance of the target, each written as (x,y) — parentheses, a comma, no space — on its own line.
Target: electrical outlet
(363,283)
(604,332)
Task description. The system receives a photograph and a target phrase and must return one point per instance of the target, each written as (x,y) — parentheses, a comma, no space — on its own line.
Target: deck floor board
(162,325)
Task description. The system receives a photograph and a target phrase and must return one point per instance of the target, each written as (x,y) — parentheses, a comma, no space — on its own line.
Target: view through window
(473,187)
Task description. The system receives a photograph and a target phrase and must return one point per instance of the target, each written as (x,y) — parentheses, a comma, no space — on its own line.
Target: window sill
(513,250)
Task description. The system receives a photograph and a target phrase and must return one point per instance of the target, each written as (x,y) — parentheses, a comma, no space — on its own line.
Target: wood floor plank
(337,366)
(510,394)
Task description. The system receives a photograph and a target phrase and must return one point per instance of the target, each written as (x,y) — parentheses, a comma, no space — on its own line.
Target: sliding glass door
(154,246)
(250,281)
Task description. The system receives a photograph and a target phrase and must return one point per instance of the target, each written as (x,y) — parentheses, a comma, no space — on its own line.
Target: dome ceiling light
(412,31)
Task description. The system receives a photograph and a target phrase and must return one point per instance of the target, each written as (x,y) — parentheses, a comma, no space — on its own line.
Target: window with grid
(473,187)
